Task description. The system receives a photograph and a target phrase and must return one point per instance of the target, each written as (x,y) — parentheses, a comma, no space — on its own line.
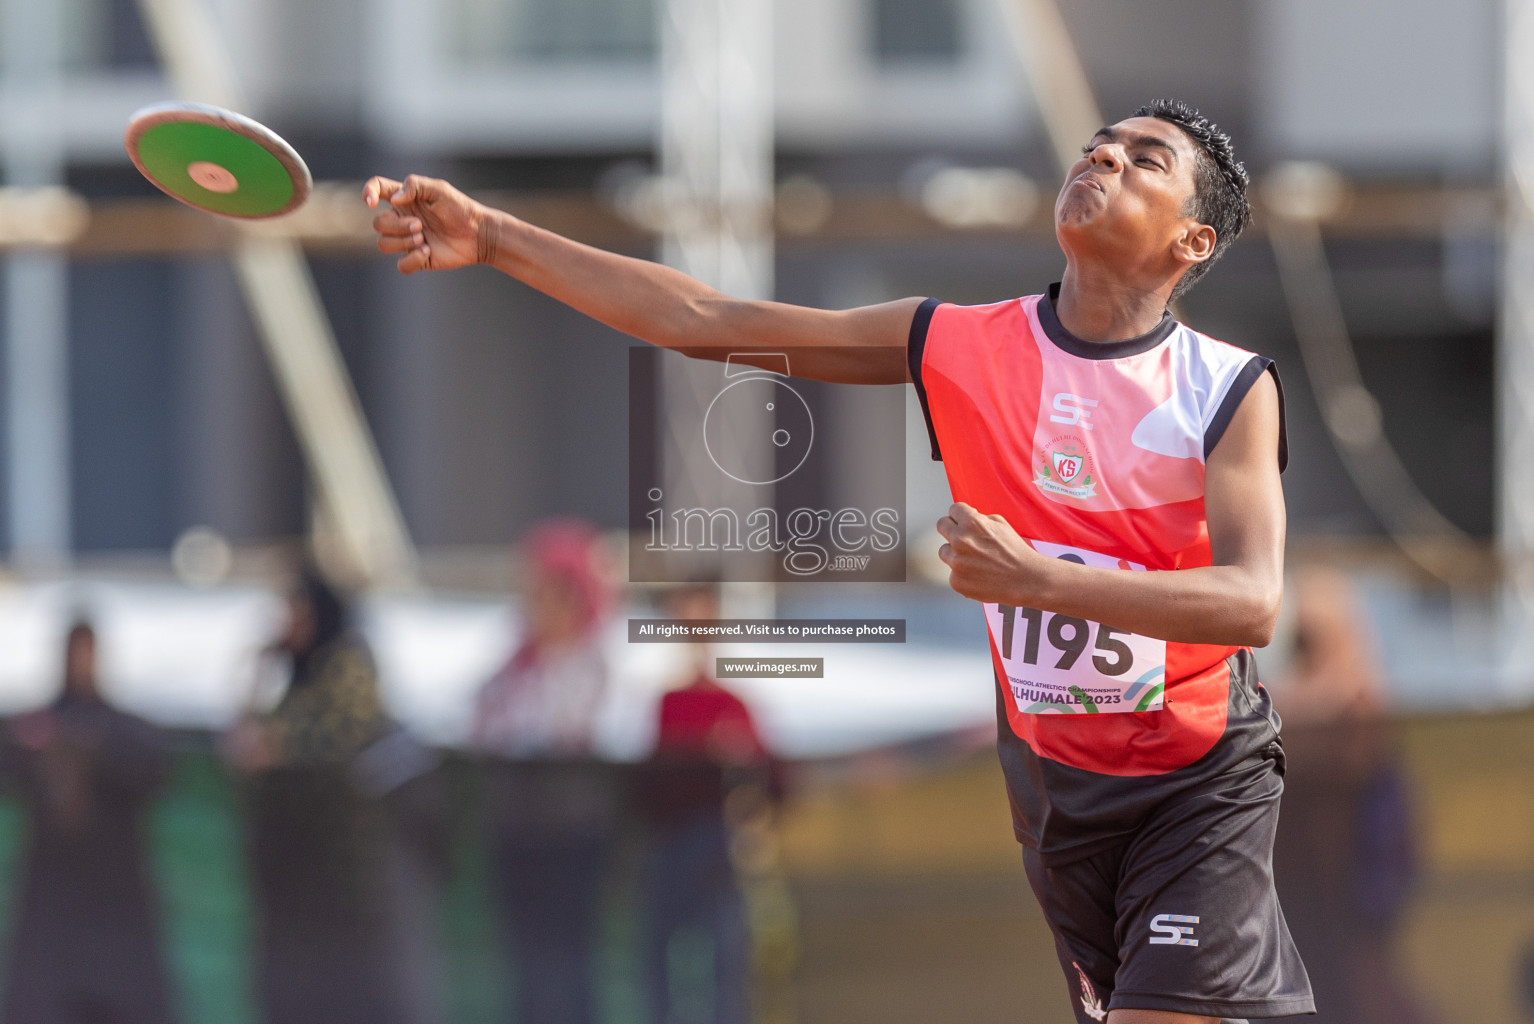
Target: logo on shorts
(1089,1001)
(1066,468)
(1173,930)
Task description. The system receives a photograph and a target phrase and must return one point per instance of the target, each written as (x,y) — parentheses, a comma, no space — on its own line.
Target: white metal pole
(36,284)
(716,155)
(1058,79)
(717,142)
(1515,353)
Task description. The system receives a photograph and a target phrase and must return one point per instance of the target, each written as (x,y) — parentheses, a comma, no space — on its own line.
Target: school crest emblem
(1065,469)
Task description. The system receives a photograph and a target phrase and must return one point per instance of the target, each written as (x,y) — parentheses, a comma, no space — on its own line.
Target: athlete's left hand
(987,560)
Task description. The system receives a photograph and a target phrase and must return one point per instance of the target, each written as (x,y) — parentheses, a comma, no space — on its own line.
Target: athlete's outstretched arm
(436,227)
(1234,601)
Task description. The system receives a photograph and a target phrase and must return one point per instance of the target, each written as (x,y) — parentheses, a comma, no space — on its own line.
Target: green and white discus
(217,160)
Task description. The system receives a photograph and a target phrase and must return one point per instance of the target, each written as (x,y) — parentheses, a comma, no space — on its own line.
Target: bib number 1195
(1068,635)
(1061,664)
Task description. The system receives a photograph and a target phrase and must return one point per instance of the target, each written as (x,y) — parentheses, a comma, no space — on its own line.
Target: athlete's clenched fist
(433,224)
(987,560)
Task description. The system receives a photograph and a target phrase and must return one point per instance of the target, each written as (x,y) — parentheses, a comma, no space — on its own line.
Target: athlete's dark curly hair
(1219,184)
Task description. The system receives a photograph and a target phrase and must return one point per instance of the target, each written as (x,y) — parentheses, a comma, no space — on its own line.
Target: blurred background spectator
(553,806)
(544,701)
(323,850)
(330,710)
(1346,857)
(709,758)
(86,945)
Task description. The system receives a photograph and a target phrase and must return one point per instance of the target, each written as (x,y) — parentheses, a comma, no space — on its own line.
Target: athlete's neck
(1098,306)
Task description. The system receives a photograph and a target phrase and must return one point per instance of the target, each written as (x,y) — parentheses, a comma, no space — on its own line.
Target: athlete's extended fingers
(378,187)
(392,222)
(418,258)
(416,188)
(399,243)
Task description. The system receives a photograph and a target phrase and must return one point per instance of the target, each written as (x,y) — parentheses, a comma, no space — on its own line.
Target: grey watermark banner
(767,631)
(739,471)
(770,668)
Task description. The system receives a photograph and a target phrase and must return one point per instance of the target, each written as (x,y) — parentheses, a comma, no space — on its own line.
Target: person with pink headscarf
(543,701)
(553,806)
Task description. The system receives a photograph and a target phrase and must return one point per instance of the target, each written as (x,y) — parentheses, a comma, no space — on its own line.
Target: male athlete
(1118,514)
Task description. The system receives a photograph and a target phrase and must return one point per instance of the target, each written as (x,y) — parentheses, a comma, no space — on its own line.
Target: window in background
(906,31)
(491,32)
(102,35)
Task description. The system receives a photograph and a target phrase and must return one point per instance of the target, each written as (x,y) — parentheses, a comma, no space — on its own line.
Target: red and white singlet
(1094,452)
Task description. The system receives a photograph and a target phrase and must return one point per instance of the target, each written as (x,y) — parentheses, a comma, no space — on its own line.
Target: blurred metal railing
(334,221)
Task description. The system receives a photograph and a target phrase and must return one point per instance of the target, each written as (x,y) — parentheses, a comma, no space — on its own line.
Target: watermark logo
(786,421)
(742,472)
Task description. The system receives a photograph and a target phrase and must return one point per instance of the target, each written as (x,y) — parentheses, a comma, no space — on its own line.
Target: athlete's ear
(1195,244)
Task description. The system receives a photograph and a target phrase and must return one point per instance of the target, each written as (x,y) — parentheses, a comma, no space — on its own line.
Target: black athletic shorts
(1182,916)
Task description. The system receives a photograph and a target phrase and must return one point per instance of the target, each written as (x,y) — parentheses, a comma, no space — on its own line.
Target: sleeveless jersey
(1094,452)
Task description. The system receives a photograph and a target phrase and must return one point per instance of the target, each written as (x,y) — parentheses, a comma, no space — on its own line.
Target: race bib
(1059,664)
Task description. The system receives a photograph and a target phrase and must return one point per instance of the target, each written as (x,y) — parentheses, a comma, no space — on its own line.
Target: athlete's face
(1127,198)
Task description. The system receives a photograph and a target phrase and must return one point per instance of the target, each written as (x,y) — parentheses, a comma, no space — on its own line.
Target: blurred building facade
(493,406)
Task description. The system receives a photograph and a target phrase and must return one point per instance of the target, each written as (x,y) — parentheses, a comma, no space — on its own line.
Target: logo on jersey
(1073,409)
(1089,1001)
(1066,469)
(1173,930)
